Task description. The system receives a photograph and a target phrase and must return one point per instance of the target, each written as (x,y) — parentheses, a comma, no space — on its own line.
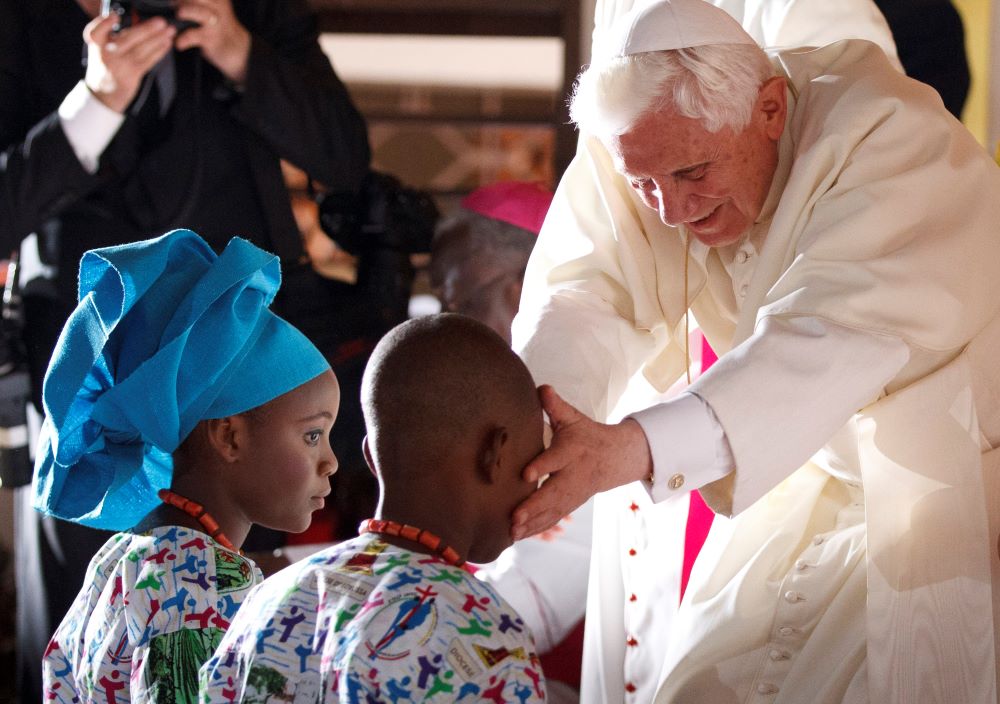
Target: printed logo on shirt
(462,660)
(361,562)
(494,656)
(359,591)
(232,572)
(404,622)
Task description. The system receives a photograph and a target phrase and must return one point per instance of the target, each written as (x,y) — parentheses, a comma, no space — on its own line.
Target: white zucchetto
(672,24)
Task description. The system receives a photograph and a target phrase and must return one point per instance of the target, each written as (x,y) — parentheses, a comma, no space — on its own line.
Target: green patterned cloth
(152,611)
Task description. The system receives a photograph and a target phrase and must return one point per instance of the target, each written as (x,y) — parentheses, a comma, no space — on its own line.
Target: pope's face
(714,184)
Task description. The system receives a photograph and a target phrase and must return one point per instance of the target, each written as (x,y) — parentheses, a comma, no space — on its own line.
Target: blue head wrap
(166,334)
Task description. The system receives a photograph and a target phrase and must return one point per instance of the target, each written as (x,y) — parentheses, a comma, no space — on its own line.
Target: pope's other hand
(584,458)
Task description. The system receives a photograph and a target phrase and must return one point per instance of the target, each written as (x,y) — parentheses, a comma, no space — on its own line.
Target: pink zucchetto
(519,203)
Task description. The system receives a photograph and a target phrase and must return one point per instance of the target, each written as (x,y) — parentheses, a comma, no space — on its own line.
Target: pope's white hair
(716,84)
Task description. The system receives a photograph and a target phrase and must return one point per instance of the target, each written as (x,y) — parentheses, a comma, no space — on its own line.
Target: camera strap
(159,87)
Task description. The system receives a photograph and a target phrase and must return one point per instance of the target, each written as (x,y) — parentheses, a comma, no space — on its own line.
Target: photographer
(175,120)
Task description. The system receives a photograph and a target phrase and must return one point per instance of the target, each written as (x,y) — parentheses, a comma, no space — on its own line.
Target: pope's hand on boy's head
(584,457)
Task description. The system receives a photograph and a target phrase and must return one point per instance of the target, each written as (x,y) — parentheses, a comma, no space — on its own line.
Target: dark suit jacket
(210,164)
(930,40)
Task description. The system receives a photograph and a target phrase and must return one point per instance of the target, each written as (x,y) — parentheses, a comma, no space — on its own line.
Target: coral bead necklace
(198,512)
(413,534)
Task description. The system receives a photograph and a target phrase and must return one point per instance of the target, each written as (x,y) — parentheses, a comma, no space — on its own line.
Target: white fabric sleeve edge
(89,125)
(687,444)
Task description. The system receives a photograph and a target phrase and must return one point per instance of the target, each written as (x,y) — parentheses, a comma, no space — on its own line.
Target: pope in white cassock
(546,577)
(834,232)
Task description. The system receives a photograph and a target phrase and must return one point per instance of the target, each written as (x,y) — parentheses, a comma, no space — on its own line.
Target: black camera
(383,215)
(382,225)
(132,12)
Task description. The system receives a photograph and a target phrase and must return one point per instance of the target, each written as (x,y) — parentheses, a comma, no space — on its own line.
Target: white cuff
(89,124)
(687,443)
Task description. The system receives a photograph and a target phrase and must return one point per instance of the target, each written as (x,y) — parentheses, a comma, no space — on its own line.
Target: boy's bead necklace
(413,534)
(197,511)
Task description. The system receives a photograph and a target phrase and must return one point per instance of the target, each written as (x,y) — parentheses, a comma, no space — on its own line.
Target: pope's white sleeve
(688,445)
(767,406)
(89,125)
(590,316)
(584,349)
(544,577)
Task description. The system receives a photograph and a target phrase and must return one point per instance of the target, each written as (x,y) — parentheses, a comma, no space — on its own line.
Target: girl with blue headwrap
(180,411)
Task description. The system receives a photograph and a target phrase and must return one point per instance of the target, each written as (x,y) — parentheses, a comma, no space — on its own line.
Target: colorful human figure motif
(173,591)
(408,629)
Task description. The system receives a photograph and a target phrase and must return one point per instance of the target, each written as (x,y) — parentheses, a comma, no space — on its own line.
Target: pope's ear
(226,436)
(772,106)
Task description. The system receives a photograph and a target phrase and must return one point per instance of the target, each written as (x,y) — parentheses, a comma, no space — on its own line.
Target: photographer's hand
(116,63)
(222,39)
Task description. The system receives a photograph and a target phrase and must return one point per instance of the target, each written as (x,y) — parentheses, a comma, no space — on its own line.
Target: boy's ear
(492,454)
(367,452)
(225,436)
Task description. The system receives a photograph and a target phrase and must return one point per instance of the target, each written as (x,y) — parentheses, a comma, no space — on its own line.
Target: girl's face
(287,459)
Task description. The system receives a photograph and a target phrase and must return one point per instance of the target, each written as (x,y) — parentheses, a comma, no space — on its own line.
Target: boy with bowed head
(180,411)
(478,259)
(453,418)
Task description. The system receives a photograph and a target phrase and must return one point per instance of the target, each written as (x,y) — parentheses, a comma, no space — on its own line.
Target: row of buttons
(634,692)
(776,653)
(630,687)
(742,257)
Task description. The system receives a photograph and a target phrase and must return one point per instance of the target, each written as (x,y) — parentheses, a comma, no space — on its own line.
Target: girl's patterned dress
(152,609)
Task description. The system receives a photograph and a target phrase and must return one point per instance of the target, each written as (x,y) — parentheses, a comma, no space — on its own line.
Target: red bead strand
(198,512)
(416,535)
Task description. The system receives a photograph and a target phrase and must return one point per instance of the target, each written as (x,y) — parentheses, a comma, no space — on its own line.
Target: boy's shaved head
(437,382)
(453,418)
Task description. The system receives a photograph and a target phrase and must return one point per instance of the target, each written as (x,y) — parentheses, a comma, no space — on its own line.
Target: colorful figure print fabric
(365,622)
(152,610)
